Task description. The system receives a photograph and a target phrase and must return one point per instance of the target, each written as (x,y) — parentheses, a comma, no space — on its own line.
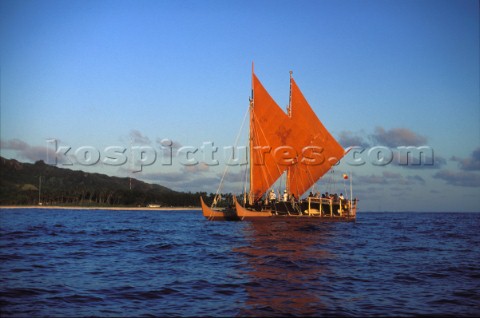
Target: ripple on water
(161,263)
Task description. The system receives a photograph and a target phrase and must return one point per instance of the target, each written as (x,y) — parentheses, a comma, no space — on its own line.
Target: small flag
(345,176)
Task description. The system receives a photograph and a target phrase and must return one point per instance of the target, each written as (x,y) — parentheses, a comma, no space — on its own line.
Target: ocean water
(175,263)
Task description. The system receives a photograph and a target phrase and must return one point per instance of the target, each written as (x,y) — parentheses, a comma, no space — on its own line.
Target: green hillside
(20,183)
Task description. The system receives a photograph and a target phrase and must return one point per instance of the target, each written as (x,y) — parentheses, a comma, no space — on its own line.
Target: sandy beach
(49,207)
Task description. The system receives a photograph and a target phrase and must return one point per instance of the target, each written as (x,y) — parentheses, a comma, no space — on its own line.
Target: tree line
(39,183)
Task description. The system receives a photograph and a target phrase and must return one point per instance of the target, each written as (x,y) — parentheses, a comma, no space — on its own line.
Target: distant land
(40,184)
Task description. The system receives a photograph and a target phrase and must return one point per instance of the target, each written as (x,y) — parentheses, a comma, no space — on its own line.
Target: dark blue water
(167,263)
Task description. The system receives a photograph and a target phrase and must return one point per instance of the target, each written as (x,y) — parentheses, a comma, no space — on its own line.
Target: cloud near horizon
(421,161)
(394,137)
(390,177)
(348,138)
(26,151)
(460,178)
(136,137)
(422,156)
(469,164)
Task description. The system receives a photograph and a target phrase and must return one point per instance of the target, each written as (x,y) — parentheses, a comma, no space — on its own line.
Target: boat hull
(217,215)
(244,213)
(313,210)
(288,211)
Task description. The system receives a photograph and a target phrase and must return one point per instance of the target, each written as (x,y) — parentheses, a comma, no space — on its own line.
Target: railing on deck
(326,207)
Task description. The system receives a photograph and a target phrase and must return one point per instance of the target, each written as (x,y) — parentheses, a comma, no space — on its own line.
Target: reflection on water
(285,262)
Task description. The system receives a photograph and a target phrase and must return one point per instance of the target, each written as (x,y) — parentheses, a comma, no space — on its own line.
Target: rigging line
(301,181)
(332,181)
(245,186)
(291,188)
(294,181)
(312,181)
(297,186)
(235,146)
(351,190)
(306,182)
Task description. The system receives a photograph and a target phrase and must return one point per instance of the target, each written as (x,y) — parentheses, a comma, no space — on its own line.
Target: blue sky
(131,73)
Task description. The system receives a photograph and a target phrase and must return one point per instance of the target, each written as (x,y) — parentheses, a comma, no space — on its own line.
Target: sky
(122,85)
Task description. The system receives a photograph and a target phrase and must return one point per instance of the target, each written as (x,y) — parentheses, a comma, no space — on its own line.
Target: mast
(289,108)
(132,163)
(40,190)
(289,113)
(250,140)
(351,191)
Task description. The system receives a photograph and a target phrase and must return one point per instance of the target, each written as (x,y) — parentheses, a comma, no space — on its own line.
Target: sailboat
(293,143)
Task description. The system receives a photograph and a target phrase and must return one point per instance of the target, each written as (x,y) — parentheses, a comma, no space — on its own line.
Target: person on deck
(285,196)
(272,196)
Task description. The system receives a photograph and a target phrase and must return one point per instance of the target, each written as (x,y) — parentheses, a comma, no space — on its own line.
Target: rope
(227,166)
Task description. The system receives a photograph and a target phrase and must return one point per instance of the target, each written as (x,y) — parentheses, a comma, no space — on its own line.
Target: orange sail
(299,143)
(320,151)
(269,130)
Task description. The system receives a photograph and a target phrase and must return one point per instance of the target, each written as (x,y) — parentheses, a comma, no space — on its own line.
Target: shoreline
(59,207)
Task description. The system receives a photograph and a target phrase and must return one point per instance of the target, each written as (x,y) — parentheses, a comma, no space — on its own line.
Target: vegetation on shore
(40,183)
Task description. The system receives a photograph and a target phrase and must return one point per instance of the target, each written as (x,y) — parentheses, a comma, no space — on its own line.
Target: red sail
(269,129)
(318,147)
(278,142)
